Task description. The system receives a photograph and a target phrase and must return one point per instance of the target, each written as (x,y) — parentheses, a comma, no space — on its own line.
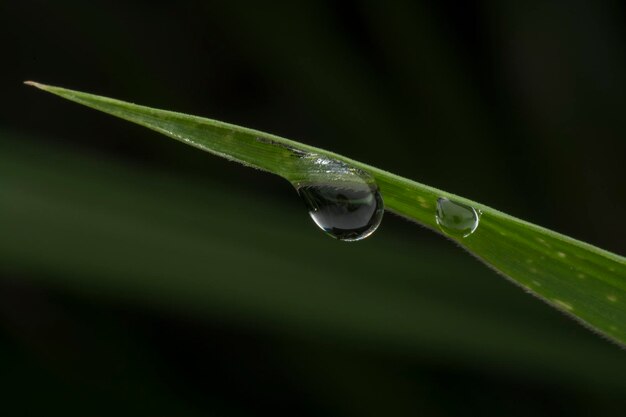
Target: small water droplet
(456,219)
(342,200)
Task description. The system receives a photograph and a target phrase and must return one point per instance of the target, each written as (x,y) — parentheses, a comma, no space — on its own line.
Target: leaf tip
(36,84)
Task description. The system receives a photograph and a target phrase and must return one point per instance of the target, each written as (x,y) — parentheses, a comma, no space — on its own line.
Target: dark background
(139,276)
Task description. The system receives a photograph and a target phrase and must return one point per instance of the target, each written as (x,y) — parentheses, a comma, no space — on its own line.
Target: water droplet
(456,219)
(342,200)
(347,212)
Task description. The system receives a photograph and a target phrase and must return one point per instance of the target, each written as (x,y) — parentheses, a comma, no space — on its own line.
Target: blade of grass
(100,229)
(579,279)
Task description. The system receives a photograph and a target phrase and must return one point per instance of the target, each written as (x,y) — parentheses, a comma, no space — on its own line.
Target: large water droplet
(350,212)
(342,200)
(456,219)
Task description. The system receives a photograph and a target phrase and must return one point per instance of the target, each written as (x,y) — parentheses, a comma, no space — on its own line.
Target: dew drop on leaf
(456,219)
(345,213)
(342,201)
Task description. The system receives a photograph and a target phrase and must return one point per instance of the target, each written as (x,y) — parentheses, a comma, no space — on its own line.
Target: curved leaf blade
(579,279)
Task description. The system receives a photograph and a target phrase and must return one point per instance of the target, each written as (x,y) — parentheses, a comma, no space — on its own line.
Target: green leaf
(581,280)
(109,232)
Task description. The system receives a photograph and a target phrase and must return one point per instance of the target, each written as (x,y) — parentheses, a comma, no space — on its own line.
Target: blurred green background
(139,276)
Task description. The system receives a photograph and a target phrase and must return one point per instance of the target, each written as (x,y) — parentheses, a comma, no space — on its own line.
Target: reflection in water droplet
(350,212)
(342,200)
(456,219)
